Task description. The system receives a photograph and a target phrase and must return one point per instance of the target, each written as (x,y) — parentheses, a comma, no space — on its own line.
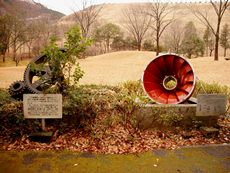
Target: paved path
(208,159)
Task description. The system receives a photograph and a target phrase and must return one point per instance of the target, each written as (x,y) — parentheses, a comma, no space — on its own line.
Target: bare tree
(159,12)
(17,37)
(87,16)
(31,35)
(137,23)
(174,36)
(209,40)
(5,34)
(44,30)
(219,8)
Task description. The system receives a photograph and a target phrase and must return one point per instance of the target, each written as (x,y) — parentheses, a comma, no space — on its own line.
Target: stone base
(161,116)
(42,137)
(209,132)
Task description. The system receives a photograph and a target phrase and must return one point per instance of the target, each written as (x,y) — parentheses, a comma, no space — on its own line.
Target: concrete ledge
(152,116)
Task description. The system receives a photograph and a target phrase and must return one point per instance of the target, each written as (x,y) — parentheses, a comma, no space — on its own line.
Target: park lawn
(11,63)
(117,67)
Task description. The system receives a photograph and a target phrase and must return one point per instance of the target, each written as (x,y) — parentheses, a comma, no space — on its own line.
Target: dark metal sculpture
(17,89)
(36,78)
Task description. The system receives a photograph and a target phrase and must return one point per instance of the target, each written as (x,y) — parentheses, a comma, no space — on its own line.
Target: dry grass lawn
(117,67)
(211,71)
(10,74)
(114,68)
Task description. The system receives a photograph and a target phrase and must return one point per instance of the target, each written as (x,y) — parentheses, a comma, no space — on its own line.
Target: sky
(68,6)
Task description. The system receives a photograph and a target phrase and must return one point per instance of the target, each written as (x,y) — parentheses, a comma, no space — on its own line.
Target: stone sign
(42,106)
(211,104)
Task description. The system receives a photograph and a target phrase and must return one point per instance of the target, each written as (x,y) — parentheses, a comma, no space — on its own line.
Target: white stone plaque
(211,104)
(42,106)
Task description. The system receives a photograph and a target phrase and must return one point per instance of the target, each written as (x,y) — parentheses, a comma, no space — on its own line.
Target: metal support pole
(43,125)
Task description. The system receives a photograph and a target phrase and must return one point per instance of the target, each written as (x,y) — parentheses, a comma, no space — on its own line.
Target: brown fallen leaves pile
(119,139)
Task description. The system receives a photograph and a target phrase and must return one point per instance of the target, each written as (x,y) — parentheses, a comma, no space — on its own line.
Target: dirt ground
(117,67)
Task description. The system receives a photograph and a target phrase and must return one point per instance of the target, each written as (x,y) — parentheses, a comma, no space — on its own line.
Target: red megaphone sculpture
(169,79)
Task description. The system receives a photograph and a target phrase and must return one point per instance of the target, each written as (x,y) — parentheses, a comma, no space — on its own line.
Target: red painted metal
(169,66)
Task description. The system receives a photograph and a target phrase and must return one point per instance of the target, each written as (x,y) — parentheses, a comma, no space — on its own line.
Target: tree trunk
(107,45)
(4,57)
(210,53)
(157,46)
(206,50)
(14,55)
(216,54)
(17,61)
(225,52)
(14,51)
(29,51)
(20,53)
(139,46)
(216,51)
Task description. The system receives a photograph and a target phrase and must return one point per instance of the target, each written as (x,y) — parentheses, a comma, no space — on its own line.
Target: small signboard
(211,104)
(42,106)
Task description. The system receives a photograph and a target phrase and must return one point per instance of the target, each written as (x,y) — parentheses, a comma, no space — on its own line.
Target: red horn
(169,79)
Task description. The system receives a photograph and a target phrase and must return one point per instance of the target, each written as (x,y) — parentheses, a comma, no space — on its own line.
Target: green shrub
(4,97)
(7,103)
(206,88)
(167,117)
(170,118)
(85,102)
(65,70)
(77,107)
(13,124)
(83,105)
(132,88)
